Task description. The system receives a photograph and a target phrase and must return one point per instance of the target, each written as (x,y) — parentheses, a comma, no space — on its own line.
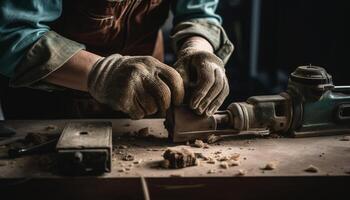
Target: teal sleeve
(184,10)
(22,23)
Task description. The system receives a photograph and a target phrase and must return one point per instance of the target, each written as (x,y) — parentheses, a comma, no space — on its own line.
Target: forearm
(74,73)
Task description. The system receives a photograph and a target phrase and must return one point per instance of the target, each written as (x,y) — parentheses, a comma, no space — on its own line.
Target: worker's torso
(128,27)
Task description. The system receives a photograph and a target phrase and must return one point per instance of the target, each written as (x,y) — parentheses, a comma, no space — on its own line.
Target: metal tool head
(184,125)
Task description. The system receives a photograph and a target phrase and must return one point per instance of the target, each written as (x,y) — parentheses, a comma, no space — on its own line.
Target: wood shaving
(312,169)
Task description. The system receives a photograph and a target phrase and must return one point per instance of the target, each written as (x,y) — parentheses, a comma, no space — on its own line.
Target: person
(113,51)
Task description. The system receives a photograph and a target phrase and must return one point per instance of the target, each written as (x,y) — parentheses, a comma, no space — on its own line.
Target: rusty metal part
(85,147)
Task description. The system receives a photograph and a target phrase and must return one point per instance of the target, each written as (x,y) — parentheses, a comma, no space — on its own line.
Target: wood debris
(241,172)
(179,158)
(121,170)
(128,157)
(312,169)
(198,144)
(211,171)
(122,147)
(213,138)
(137,162)
(345,138)
(224,165)
(211,160)
(270,166)
(233,163)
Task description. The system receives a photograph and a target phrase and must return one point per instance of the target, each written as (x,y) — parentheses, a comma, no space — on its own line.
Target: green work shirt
(23,22)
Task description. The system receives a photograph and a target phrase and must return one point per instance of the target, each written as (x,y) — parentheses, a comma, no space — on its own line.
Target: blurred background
(271,38)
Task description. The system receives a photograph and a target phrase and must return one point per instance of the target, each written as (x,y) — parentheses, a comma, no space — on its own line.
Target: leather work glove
(136,85)
(204,78)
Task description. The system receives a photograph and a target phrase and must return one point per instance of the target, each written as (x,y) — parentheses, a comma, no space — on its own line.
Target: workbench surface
(291,156)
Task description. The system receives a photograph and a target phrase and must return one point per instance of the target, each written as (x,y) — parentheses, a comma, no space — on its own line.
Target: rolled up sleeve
(22,23)
(198,18)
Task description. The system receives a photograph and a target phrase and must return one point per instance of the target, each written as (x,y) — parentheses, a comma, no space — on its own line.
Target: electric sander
(310,106)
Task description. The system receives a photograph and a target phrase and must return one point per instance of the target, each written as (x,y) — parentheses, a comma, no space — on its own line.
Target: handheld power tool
(310,106)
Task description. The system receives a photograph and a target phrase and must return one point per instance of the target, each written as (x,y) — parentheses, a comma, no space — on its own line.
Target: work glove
(136,85)
(204,78)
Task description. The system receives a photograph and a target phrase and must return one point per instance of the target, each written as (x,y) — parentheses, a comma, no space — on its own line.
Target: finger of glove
(135,110)
(206,79)
(213,93)
(174,81)
(160,92)
(217,102)
(146,101)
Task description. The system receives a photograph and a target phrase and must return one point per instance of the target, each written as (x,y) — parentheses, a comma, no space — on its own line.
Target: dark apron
(127,27)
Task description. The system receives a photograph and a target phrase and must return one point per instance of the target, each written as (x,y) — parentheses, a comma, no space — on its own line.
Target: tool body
(85,147)
(310,106)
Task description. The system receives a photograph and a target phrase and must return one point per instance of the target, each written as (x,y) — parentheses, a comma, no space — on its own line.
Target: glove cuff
(100,75)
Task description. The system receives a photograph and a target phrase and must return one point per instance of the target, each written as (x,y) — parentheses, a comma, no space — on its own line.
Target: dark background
(290,33)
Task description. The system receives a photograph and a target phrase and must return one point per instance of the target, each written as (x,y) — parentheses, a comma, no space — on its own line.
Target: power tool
(310,106)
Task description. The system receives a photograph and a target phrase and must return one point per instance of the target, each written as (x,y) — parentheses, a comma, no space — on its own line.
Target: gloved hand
(204,77)
(136,85)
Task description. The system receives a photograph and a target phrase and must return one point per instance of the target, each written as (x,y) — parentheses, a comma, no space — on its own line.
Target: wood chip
(270,166)
(241,172)
(235,156)
(176,175)
(180,158)
(198,144)
(211,160)
(211,171)
(312,169)
(128,157)
(121,170)
(122,147)
(137,162)
(224,165)
(213,138)
(233,163)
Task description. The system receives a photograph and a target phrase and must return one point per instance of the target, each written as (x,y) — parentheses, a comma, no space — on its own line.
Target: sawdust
(270,166)
(179,158)
(128,157)
(312,169)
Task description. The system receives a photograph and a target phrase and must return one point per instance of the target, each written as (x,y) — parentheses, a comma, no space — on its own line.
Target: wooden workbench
(330,154)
